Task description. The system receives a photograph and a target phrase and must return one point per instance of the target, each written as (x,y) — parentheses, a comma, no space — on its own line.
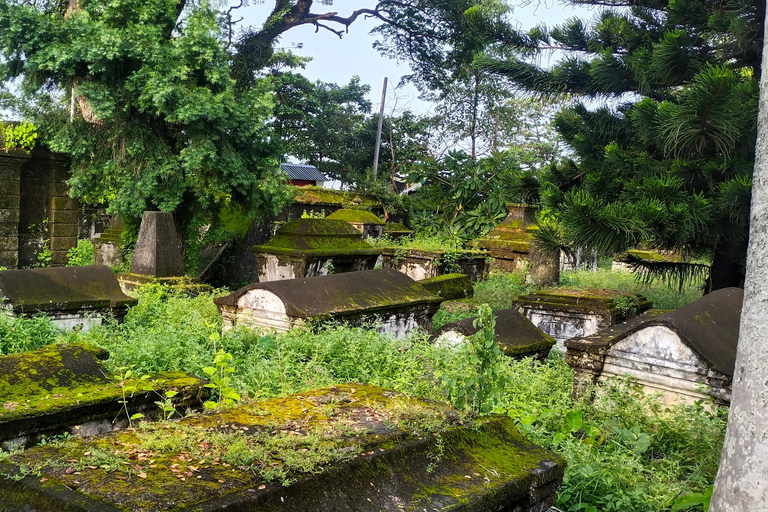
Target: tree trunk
(742,479)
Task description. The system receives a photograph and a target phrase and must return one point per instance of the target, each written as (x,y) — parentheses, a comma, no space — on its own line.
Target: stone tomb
(687,354)
(450,286)
(368,224)
(62,388)
(420,264)
(397,230)
(516,335)
(509,243)
(313,247)
(399,302)
(370,458)
(566,314)
(157,258)
(72,297)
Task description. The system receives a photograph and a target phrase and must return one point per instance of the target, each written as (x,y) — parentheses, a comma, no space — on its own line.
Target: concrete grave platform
(687,354)
(450,286)
(516,335)
(72,297)
(63,387)
(313,247)
(566,314)
(368,224)
(346,448)
(401,304)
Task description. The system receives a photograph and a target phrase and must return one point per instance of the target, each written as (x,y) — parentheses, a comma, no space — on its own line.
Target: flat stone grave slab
(313,247)
(346,448)
(687,354)
(72,297)
(516,335)
(450,286)
(564,313)
(355,297)
(368,224)
(64,387)
(420,264)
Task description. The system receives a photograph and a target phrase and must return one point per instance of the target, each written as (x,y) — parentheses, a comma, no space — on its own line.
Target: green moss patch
(363,446)
(316,237)
(326,196)
(64,385)
(356,217)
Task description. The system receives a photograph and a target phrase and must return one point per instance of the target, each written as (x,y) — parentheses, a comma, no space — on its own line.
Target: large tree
(668,161)
(171,106)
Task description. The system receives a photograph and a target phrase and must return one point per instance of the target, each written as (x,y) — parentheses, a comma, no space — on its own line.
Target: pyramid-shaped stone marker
(157,258)
(346,448)
(157,251)
(59,387)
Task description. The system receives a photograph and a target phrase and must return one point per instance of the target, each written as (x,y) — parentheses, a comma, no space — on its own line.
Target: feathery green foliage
(669,162)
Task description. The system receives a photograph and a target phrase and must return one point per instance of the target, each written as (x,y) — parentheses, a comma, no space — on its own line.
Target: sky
(338,60)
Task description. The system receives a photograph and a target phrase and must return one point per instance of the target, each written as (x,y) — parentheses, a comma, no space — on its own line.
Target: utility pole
(378,132)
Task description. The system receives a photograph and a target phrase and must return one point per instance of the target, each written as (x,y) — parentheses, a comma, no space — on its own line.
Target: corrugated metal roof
(303,172)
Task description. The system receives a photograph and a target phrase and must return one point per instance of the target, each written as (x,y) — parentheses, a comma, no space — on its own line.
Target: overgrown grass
(625,451)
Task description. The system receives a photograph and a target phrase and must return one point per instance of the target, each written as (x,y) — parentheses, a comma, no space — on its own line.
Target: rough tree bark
(742,479)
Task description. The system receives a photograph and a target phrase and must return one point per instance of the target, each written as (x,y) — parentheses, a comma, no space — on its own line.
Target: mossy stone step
(371,450)
(62,386)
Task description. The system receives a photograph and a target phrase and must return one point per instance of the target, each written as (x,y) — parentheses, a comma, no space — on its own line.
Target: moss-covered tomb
(347,448)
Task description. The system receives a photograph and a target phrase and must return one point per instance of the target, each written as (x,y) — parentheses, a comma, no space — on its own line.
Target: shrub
(82,255)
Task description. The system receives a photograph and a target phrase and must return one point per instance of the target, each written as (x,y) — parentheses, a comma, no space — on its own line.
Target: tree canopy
(668,162)
(172,108)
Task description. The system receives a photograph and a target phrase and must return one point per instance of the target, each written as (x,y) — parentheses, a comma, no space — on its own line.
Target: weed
(81,255)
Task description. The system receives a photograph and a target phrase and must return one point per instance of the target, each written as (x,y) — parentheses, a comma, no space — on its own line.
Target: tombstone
(107,248)
(419,264)
(450,286)
(66,388)
(687,354)
(509,243)
(71,297)
(397,230)
(373,462)
(362,220)
(157,257)
(565,314)
(516,335)
(313,247)
(355,297)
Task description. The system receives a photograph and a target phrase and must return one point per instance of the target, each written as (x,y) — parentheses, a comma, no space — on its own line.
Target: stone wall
(35,208)
(10,189)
